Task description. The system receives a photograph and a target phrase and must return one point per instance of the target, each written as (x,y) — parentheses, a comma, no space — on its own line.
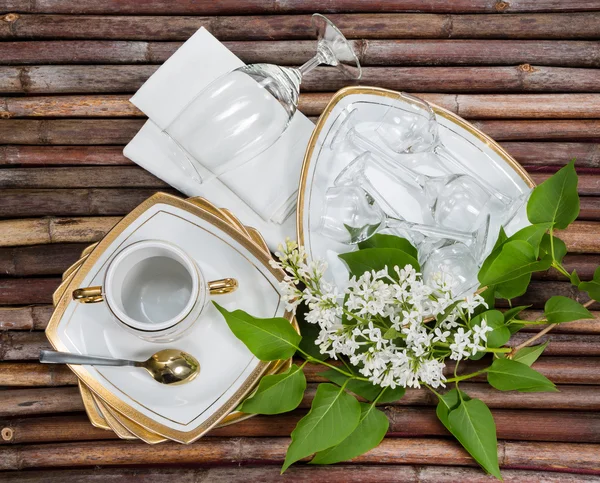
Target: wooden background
(524,71)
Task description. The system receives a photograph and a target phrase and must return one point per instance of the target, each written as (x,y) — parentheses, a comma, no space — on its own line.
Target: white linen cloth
(263,192)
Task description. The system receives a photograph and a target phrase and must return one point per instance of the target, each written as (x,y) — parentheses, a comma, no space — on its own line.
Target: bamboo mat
(527,72)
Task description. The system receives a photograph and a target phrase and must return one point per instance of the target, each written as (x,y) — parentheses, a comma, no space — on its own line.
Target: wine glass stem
(446,155)
(430,230)
(384,160)
(310,64)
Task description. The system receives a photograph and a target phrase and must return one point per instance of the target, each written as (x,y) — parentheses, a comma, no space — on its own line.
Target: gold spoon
(168,366)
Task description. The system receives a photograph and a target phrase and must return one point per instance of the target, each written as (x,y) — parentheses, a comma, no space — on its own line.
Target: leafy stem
(466,376)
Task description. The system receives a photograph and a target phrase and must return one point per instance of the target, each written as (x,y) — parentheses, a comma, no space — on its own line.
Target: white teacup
(154,290)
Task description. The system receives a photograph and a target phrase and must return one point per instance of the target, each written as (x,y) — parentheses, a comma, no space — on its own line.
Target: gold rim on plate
(249,239)
(377,91)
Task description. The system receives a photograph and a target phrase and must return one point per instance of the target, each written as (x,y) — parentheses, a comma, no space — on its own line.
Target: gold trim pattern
(377,91)
(93,255)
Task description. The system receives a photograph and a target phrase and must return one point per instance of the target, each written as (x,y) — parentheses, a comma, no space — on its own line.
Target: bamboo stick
(17,345)
(524,425)
(87,177)
(512,454)
(112,201)
(297,27)
(590,326)
(476,106)
(128,78)
(71,131)
(136,177)
(21,291)
(229,7)
(560,370)
(544,155)
(296,474)
(21,402)
(30,317)
(55,259)
(62,156)
(22,374)
(39,260)
(38,231)
(72,202)
(540,130)
(120,131)
(36,401)
(20,346)
(35,317)
(580,237)
(17,291)
(557,53)
(536,156)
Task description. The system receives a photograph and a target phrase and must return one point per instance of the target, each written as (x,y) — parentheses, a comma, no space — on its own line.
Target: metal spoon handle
(54,357)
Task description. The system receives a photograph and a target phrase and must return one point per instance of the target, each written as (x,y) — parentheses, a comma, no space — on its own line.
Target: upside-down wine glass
(242,113)
(350,216)
(453,198)
(455,265)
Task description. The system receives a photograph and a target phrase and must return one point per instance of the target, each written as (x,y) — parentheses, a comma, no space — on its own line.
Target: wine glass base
(335,49)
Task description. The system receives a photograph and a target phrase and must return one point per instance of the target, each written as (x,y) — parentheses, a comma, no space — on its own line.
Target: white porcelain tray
(229,370)
(321,166)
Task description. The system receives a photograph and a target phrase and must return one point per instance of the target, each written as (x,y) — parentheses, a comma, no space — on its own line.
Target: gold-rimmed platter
(65,329)
(323,163)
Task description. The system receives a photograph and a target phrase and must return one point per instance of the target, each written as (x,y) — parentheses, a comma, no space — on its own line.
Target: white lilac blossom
(395,329)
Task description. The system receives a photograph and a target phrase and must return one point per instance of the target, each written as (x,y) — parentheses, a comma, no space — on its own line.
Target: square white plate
(228,369)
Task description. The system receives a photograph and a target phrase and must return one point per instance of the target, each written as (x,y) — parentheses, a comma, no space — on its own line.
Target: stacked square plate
(125,399)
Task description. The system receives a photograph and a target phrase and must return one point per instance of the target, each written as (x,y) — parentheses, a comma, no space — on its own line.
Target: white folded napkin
(263,192)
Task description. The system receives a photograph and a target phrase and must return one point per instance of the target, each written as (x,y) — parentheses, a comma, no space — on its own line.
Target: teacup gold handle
(223,286)
(88,295)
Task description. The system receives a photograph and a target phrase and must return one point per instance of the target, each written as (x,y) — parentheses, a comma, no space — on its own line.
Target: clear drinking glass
(453,198)
(244,112)
(455,264)
(350,215)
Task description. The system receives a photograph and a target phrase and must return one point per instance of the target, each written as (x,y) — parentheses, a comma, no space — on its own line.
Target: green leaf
(333,416)
(563,309)
(532,234)
(495,319)
(364,389)
(278,393)
(473,426)
(528,355)
(513,312)
(592,287)
(514,328)
(368,434)
(502,237)
(510,375)
(560,248)
(391,334)
(514,288)
(268,339)
(575,280)
(516,259)
(389,241)
(555,200)
(376,259)
(447,402)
